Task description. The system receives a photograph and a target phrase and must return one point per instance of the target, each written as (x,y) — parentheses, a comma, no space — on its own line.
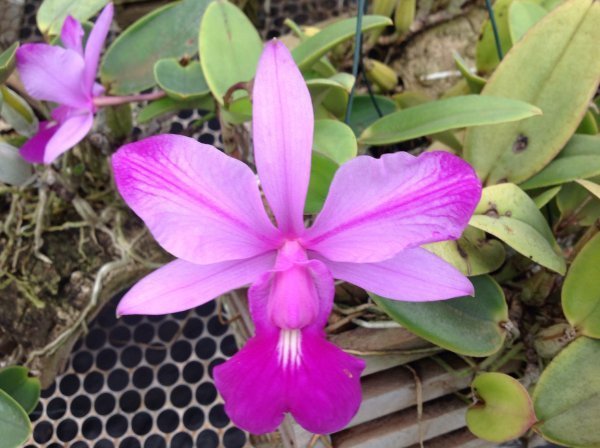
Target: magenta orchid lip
(204,207)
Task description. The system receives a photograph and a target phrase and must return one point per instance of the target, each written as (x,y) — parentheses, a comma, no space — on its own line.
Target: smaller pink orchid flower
(206,209)
(66,76)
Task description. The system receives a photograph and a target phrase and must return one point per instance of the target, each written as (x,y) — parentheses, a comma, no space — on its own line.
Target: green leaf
(567,396)
(588,124)
(442,115)
(13,168)
(332,92)
(310,50)
(581,145)
(182,82)
(322,170)
(363,112)
(467,325)
(546,196)
(472,253)
(334,143)
(8,61)
(577,206)
(581,290)
(506,212)
(592,187)
(17,112)
(335,140)
(486,56)
(522,15)
(475,82)
(15,426)
(52,13)
(409,98)
(230,48)
(504,410)
(17,383)
(551,68)
(167,32)
(169,105)
(563,170)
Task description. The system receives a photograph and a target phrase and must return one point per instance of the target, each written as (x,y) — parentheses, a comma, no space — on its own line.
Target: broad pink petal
(95,43)
(53,74)
(181,285)
(71,35)
(414,275)
(322,392)
(378,207)
(34,148)
(68,134)
(200,205)
(282,119)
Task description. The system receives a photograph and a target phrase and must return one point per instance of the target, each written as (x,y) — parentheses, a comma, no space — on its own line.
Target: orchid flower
(66,76)
(205,208)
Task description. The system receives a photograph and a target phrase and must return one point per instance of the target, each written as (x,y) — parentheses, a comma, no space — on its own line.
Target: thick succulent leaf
(506,212)
(52,13)
(14,423)
(503,410)
(522,15)
(230,48)
(25,390)
(486,55)
(444,322)
(8,61)
(442,115)
(310,50)
(168,32)
(567,396)
(14,170)
(182,82)
(472,253)
(581,290)
(551,68)
(364,113)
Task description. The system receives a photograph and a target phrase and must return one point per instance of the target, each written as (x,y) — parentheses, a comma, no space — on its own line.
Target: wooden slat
(403,429)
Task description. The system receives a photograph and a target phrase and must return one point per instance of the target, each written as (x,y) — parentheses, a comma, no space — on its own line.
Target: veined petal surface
(378,207)
(200,204)
(318,383)
(94,45)
(180,285)
(68,133)
(413,275)
(282,124)
(34,148)
(71,35)
(52,73)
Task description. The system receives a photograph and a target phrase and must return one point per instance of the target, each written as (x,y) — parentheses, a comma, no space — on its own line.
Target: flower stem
(103,101)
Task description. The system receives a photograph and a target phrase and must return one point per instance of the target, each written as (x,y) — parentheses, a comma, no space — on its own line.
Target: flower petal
(292,297)
(200,204)
(378,207)
(34,148)
(322,392)
(181,285)
(94,44)
(53,74)
(71,35)
(282,123)
(68,134)
(414,275)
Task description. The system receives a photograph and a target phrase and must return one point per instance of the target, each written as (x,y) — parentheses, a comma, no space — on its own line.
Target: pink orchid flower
(66,76)
(206,209)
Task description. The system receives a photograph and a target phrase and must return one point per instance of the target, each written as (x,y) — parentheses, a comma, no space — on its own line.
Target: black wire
(488,5)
